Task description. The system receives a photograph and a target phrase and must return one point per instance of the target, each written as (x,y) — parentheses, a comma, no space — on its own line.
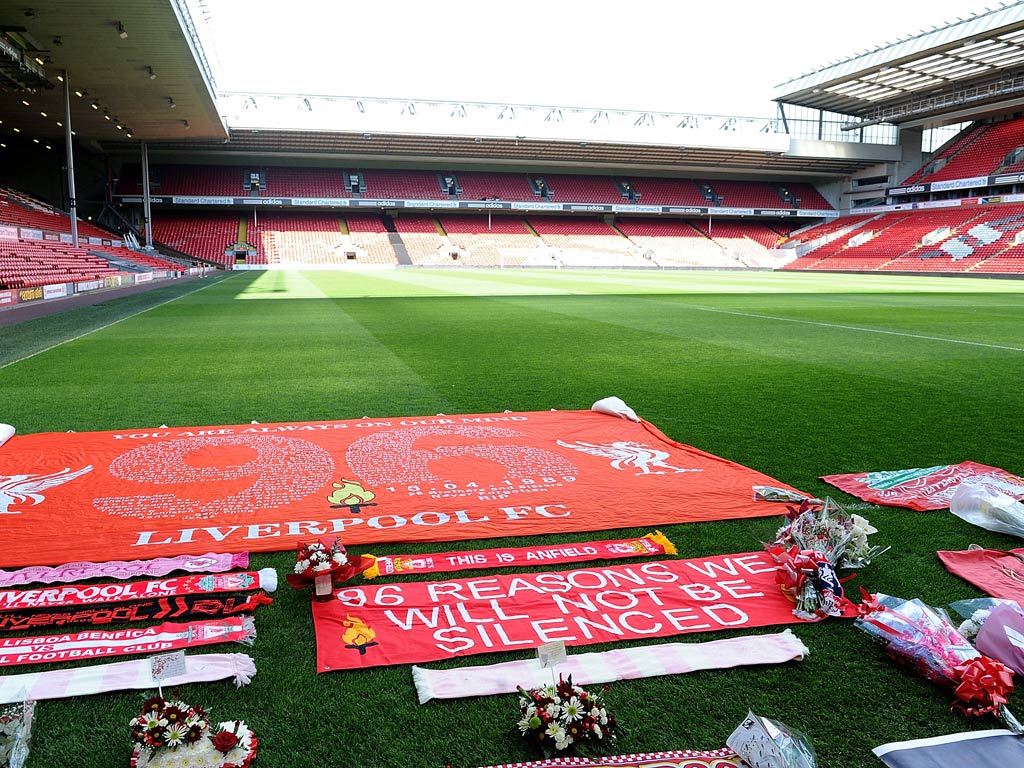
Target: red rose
(225,741)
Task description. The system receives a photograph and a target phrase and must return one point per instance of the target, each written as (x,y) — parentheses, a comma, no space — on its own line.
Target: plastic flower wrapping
(818,538)
(764,743)
(324,564)
(15,733)
(565,718)
(989,508)
(924,639)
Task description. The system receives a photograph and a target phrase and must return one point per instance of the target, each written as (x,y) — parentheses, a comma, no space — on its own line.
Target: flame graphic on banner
(350,493)
(358,634)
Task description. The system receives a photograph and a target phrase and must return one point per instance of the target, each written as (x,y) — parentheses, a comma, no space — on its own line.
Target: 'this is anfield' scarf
(652,544)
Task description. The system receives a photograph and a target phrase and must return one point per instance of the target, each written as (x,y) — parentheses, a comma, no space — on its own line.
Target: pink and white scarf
(608,666)
(123,569)
(124,642)
(122,676)
(92,594)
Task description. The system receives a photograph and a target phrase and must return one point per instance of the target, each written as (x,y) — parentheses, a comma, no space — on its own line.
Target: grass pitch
(796,375)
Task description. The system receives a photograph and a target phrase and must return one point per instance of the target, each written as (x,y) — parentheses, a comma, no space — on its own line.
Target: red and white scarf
(120,592)
(650,545)
(93,643)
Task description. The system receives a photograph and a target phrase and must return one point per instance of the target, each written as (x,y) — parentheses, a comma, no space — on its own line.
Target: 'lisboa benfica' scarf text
(94,643)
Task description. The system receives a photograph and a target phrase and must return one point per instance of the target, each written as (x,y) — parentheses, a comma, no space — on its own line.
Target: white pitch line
(859,328)
(104,327)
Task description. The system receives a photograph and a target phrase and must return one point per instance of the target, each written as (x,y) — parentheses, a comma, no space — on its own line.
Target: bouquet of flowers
(168,725)
(562,718)
(818,538)
(826,527)
(15,733)
(924,639)
(170,733)
(324,565)
(764,743)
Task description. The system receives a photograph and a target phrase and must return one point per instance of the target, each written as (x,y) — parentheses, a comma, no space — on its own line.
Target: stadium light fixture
(61,78)
(121,31)
(128,133)
(44,114)
(24,102)
(170,102)
(95,105)
(17,130)
(106,115)
(185,123)
(152,74)
(79,93)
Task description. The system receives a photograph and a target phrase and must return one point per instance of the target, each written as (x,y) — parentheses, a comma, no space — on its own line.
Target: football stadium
(369,431)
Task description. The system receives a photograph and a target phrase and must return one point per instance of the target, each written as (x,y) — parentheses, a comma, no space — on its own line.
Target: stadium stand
(413,185)
(487,186)
(987,149)
(586,242)
(502,241)
(668,192)
(370,238)
(421,235)
(204,235)
(564,188)
(215,180)
(307,239)
(305,182)
(30,263)
(949,240)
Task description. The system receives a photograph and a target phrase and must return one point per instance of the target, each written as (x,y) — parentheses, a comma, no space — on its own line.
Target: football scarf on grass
(401,565)
(609,666)
(122,676)
(124,642)
(678,758)
(121,569)
(183,607)
(92,594)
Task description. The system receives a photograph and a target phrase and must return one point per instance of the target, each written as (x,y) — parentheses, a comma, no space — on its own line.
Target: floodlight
(121,31)
(152,74)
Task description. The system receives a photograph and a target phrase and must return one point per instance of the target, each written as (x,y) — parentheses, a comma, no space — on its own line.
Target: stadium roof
(967,65)
(142,75)
(130,61)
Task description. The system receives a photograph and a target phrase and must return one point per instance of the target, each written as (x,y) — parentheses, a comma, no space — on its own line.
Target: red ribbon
(985,682)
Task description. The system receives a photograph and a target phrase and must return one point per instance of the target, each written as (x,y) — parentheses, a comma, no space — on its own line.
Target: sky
(719,57)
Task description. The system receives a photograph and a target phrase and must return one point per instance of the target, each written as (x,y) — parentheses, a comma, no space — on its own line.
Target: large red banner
(265,487)
(416,622)
(925,488)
